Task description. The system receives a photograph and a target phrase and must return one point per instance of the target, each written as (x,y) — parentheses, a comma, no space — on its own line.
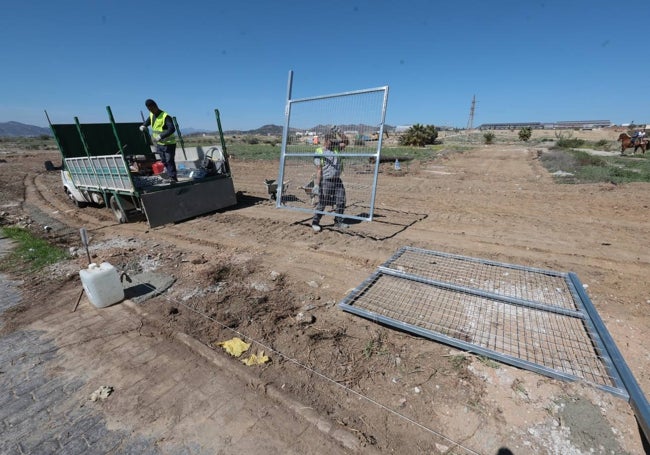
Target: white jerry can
(102,284)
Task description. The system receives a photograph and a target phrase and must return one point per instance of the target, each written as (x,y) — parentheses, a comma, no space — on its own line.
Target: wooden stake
(78,300)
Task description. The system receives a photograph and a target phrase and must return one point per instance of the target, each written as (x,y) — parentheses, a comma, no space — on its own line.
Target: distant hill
(273,130)
(276,130)
(17,129)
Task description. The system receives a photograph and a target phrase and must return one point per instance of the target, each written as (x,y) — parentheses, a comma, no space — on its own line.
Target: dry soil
(261,273)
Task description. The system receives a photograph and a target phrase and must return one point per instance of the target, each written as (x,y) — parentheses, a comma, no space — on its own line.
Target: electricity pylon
(470,122)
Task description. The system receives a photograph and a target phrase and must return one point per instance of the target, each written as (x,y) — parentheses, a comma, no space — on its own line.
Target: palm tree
(419,135)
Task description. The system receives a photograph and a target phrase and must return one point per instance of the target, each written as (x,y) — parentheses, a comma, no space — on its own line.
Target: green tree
(488,137)
(525,133)
(419,135)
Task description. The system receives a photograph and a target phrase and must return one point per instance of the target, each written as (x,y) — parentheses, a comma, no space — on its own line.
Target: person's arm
(319,175)
(146,124)
(317,179)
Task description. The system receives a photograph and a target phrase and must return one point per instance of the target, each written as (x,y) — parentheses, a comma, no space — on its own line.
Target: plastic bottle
(397,165)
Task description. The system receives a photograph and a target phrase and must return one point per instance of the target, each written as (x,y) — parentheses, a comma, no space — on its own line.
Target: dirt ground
(262,274)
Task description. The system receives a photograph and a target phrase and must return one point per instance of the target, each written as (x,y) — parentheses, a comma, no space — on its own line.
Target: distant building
(511,126)
(572,124)
(583,124)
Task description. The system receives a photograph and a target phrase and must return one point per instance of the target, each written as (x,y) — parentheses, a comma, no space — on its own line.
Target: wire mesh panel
(526,317)
(100,172)
(330,153)
(81,172)
(544,287)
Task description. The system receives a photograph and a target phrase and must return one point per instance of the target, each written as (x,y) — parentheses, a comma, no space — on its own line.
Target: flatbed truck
(115,165)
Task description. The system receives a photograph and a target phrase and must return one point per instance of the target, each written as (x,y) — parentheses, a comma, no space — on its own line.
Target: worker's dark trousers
(332,192)
(168,157)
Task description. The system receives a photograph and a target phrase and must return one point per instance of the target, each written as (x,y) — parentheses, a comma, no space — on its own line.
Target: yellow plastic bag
(235,346)
(256,359)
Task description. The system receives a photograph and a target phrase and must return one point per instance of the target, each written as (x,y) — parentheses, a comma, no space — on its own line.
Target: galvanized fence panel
(357,117)
(527,317)
(100,173)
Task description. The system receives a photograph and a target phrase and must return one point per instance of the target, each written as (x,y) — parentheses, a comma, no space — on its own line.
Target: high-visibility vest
(157,125)
(332,165)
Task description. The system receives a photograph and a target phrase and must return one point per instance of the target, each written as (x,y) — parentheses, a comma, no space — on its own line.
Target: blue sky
(546,61)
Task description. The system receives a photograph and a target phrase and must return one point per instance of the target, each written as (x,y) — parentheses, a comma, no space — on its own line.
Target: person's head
(331,141)
(152,106)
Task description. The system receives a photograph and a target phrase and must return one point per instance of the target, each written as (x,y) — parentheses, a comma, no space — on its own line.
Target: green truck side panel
(181,202)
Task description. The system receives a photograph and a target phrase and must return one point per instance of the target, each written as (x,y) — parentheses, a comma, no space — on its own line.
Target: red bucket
(158,167)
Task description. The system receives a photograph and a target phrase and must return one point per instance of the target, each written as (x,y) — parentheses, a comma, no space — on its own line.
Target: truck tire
(80,204)
(119,213)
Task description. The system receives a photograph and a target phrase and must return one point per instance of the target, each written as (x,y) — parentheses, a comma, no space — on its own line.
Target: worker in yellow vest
(162,125)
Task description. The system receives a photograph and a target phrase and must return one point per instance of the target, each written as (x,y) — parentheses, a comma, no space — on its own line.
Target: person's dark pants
(168,157)
(332,192)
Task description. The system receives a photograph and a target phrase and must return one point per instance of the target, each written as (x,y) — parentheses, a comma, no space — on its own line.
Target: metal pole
(117,137)
(378,156)
(638,401)
(84,242)
(180,136)
(126,169)
(223,141)
(285,136)
(56,138)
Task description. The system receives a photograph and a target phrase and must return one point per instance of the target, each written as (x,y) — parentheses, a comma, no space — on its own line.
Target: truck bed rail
(108,172)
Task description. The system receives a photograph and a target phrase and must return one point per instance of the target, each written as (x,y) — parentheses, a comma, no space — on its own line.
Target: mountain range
(17,129)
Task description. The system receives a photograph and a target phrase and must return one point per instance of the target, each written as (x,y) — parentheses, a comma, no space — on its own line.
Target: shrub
(488,137)
(585,159)
(525,133)
(419,135)
(570,143)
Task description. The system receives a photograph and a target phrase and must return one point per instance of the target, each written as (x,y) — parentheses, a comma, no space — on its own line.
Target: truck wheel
(120,215)
(80,204)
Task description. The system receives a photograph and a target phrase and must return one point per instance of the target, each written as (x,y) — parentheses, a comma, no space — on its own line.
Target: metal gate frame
(375,155)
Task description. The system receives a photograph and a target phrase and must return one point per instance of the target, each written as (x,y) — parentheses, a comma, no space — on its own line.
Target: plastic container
(197,174)
(157,167)
(102,284)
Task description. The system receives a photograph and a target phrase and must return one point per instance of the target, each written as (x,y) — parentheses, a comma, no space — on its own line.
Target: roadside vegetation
(250,147)
(42,142)
(31,253)
(569,162)
(488,138)
(566,158)
(525,134)
(569,165)
(419,135)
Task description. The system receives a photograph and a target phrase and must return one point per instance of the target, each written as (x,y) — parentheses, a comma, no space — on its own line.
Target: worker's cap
(150,103)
